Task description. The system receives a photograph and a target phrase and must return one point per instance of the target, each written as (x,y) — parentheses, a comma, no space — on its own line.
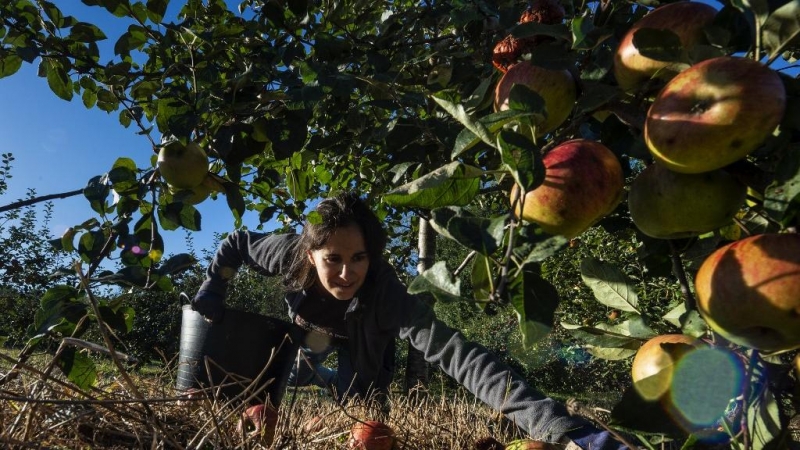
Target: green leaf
(97,191)
(661,45)
(59,311)
(86,32)
(535,301)
(466,139)
(690,324)
(78,367)
(177,264)
(609,284)
(530,29)
(545,249)
(175,215)
(781,28)
(455,184)
(785,186)
(123,176)
(439,282)
(763,420)
(9,65)
(446,101)
(156,10)
(481,278)
(118,319)
(476,233)
(522,158)
(57,78)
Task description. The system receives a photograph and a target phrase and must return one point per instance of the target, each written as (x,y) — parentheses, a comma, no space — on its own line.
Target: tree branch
(43,198)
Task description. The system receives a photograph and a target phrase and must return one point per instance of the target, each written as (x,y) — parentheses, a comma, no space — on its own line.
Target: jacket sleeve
(269,254)
(480,371)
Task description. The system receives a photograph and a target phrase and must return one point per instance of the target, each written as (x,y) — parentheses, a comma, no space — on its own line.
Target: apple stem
(683,281)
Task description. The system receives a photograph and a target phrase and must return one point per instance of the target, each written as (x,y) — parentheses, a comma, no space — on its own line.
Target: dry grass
(38,410)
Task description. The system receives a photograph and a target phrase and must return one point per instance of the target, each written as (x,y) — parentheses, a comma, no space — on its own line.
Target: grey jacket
(383,311)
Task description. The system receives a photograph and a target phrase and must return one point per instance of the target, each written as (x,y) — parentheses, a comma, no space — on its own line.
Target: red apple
(671,205)
(530,444)
(556,87)
(749,291)
(686,19)
(583,183)
(371,435)
(654,365)
(714,113)
(259,420)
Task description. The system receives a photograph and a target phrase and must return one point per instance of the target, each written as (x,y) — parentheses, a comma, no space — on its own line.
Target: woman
(350,300)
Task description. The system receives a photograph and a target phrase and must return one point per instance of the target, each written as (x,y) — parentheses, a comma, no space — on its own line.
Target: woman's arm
(269,254)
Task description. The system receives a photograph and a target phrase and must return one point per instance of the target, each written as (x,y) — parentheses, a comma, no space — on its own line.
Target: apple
(686,19)
(261,420)
(371,435)
(583,183)
(530,444)
(748,291)
(670,205)
(182,166)
(197,194)
(654,365)
(714,113)
(556,87)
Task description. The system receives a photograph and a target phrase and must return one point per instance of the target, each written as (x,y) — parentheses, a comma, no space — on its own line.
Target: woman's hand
(210,305)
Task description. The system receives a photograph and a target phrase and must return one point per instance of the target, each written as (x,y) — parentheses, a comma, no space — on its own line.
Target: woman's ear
(310,257)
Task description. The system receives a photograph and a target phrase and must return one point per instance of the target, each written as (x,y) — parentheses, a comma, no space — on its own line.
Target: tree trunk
(416,367)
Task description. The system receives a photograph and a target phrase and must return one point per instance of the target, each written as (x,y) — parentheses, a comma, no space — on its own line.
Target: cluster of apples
(706,117)
(185,170)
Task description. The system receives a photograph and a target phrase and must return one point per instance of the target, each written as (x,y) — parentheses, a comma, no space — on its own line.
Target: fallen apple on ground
(583,183)
(665,204)
(258,420)
(714,113)
(747,291)
(371,435)
(530,444)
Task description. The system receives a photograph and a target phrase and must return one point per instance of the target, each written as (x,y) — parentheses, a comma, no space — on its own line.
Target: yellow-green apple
(654,364)
(748,291)
(556,87)
(670,205)
(259,420)
(714,113)
(583,183)
(198,193)
(182,166)
(371,435)
(686,19)
(530,444)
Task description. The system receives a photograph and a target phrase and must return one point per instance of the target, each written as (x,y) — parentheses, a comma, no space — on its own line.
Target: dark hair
(341,210)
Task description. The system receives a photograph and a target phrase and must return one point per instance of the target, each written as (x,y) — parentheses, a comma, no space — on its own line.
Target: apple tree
(509,127)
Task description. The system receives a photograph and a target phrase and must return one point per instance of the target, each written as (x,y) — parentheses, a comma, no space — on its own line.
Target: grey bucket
(228,356)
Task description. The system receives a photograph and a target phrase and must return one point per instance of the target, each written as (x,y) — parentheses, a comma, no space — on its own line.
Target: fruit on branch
(506,53)
(583,183)
(714,113)
(259,420)
(747,291)
(197,194)
(556,87)
(371,435)
(670,205)
(548,12)
(530,444)
(654,364)
(182,166)
(686,19)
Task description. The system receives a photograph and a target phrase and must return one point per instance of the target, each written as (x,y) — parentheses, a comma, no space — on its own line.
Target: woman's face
(342,262)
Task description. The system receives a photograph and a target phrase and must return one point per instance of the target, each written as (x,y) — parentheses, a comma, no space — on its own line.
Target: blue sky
(58,145)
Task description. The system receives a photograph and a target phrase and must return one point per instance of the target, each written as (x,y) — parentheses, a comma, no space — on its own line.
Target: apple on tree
(583,183)
(182,166)
(714,113)
(371,435)
(199,193)
(747,291)
(654,364)
(686,19)
(670,205)
(556,87)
